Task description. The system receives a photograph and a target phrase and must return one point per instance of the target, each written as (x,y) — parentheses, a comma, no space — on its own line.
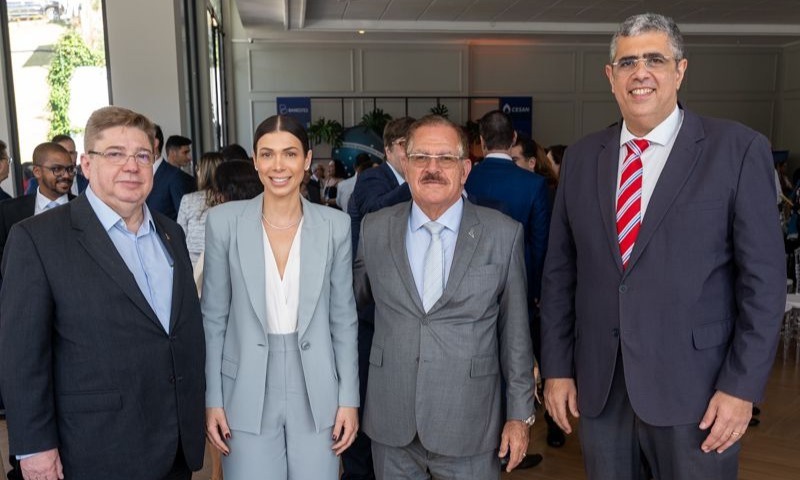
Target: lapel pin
(471,233)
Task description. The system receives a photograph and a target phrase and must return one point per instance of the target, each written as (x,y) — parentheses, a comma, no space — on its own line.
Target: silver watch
(530,420)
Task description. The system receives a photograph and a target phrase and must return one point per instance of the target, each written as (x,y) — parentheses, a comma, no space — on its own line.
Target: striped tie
(629,198)
(433,273)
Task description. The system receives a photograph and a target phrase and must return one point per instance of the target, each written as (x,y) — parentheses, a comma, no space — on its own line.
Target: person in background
(556,154)
(79,182)
(234,151)
(170,182)
(280,322)
(334,174)
(195,205)
(5,167)
(346,186)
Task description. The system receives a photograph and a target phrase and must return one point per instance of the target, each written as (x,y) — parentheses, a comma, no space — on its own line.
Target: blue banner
(297,107)
(521,111)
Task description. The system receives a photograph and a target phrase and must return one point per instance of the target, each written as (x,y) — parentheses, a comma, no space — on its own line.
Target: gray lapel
(99,246)
(469,234)
(607,167)
(250,244)
(316,234)
(680,163)
(398,226)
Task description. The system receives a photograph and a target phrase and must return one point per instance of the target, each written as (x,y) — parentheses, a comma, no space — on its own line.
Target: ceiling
(743,22)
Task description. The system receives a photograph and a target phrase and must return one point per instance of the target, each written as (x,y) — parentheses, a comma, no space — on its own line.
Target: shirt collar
(42,201)
(451,218)
(661,135)
(400,179)
(109,218)
(499,155)
(157,164)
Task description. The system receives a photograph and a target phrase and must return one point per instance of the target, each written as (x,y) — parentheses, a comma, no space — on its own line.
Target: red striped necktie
(629,198)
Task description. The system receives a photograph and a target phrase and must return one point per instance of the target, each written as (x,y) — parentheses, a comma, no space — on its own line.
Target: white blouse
(282,295)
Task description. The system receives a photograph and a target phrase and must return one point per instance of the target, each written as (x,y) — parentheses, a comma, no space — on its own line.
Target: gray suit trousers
(415,462)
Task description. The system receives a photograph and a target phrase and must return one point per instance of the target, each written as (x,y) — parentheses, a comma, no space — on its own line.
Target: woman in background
(334,174)
(280,322)
(194,206)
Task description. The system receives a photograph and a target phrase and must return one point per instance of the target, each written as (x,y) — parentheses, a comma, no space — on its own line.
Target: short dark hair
(236,180)
(61,138)
(234,151)
(159,136)
(42,150)
(396,129)
(526,144)
(496,130)
(176,141)
(557,153)
(363,162)
(282,123)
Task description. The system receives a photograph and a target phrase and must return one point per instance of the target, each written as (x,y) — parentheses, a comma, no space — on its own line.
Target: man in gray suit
(664,283)
(448,281)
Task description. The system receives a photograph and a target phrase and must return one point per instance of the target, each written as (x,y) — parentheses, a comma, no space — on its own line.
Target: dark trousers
(357,460)
(617,445)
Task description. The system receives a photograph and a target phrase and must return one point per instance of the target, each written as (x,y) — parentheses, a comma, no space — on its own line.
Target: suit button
(171,379)
(623,288)
(615,332)
(172,338)
(305,345)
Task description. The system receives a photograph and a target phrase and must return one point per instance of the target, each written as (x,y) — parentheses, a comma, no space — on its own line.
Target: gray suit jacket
(234,313)
(437,374)
(699,306)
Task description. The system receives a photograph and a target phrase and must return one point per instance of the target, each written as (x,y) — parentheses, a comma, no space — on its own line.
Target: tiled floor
(771,450)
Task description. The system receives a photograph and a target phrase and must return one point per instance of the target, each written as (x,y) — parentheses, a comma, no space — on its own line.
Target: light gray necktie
(433,274)
(50,205)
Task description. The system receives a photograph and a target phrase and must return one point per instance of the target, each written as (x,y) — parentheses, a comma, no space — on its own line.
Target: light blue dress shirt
(144,254)
(418,239)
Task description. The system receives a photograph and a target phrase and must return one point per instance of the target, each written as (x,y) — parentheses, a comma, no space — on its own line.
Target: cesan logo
(508,109)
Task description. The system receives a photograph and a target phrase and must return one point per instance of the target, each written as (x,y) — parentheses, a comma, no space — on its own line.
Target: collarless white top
(282,294)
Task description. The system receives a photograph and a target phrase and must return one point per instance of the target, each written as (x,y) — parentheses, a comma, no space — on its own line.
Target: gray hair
(650,22)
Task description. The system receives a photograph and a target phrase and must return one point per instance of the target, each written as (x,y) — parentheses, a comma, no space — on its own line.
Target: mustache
(433,177)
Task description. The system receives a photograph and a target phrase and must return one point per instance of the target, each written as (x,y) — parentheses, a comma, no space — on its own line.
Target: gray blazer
(699,306)
(234,313)
(438,374)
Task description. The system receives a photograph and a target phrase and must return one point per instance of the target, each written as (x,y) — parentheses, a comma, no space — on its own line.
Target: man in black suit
(314,186)
(101,341)
(5,167)
(170,183)
(80,182)
(54,171)
(375,189)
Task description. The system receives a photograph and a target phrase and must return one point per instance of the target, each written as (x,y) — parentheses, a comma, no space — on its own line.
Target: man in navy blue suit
(170,183)
(376,188)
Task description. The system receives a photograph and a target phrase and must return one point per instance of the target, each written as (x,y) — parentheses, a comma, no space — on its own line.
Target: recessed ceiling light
(362,32)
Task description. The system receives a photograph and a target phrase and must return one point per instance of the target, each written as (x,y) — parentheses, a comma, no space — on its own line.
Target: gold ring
(735,434)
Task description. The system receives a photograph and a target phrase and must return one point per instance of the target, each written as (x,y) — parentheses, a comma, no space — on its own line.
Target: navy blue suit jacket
(498,183)
(170,184)
(375,188)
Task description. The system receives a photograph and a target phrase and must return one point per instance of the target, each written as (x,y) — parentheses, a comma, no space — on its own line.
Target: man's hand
(42,466)
(217,430)
(561,394)
(728,418)
(515,440)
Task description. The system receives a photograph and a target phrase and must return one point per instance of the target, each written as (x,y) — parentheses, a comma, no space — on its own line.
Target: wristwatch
(530,420)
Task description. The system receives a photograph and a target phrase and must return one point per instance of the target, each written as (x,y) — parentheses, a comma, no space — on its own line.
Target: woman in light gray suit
(280,322)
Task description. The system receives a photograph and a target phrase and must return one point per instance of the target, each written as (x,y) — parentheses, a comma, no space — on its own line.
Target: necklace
(276,227)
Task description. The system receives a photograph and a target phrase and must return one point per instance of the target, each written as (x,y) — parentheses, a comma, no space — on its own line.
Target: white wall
(146,60)
(571,95)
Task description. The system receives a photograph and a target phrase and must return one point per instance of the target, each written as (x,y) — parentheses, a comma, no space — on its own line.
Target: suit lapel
(469,234)
(313,260)
(398,226)
(178,269)
(607,167)
(250,245)
(99,246)
(680,164)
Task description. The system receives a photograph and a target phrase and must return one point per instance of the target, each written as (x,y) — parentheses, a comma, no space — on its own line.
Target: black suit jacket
(375,189)
(85,365)
(170,184)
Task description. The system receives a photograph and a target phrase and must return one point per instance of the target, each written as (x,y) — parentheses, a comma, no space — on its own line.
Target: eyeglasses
(118,157)
(652,62)
(60,170)
(423,160)
(400,142)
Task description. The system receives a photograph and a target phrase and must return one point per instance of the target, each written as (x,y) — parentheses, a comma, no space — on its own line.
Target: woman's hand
(217,430)
(345,428)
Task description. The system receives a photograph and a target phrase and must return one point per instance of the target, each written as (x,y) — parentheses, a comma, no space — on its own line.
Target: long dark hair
(236,180)
(281,123)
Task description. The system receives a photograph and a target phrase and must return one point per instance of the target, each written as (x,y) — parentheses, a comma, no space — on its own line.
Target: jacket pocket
(90,402)
(376,356)
(229,368)
(484,365)
(711,334)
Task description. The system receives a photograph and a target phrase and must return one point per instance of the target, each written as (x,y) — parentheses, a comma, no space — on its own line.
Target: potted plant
(375,120)
(326,131)
(441,110)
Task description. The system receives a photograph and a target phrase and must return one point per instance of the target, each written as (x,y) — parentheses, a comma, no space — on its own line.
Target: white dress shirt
(282,294)
(661,139)
(42,202)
